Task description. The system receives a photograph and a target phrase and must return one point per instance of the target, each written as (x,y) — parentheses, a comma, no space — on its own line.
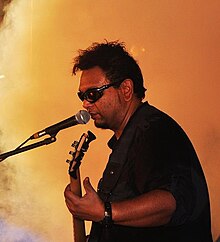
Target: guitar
(80,147)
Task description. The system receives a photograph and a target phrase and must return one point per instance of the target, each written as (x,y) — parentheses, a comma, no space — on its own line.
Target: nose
(86,104)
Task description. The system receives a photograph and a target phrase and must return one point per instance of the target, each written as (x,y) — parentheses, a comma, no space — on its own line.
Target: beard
(101,125)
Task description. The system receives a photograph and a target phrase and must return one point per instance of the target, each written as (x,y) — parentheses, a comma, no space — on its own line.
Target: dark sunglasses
(94,94)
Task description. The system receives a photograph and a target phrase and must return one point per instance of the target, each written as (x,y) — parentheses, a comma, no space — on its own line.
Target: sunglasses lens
(93,95)
(81,96)
(90,95)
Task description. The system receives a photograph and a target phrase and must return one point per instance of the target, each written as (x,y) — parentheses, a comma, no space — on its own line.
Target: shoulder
(148,117)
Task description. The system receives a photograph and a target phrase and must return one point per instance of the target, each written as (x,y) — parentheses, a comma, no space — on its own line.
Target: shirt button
(111,172)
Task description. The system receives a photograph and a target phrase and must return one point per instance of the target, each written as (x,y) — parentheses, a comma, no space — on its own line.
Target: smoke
(7,170)
(3,6)
(13,209)
(7,174)
(10,208)
(11,233)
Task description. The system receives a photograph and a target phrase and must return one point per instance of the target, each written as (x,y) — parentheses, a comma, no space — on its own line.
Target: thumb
(87,185)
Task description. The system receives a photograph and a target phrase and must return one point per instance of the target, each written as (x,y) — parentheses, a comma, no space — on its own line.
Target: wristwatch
(107,221)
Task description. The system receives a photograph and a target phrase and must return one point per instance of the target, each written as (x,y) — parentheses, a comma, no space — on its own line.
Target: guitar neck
(75,181)
(75,184)
(78,225)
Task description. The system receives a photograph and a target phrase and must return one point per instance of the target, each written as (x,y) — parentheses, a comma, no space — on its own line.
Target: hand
(89,207)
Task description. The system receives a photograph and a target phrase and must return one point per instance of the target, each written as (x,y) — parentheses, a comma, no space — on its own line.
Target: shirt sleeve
(163,161)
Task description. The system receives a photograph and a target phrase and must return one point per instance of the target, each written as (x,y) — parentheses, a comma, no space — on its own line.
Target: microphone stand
(28,147)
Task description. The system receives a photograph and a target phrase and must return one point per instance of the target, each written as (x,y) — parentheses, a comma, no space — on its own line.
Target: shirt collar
(112,143)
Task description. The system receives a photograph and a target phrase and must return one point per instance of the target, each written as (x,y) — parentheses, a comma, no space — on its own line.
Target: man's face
(107,111)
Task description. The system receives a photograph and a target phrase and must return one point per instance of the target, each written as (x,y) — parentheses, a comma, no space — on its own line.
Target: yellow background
(176,43)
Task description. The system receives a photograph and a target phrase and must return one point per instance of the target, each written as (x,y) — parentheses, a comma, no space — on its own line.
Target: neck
(132,106)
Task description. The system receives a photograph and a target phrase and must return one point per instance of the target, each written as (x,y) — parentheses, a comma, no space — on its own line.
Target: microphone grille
(82,117)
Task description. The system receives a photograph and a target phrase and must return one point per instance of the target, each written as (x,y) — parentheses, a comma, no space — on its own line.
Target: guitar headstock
(80,147)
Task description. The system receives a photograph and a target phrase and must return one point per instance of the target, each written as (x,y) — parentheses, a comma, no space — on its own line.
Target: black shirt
(155,153)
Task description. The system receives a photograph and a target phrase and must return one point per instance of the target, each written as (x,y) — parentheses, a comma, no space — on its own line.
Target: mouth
(93,115)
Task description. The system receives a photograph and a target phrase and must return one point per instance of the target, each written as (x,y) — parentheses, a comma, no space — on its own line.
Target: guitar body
(75,182)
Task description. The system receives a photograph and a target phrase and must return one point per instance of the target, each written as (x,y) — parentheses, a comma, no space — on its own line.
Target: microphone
(82,117)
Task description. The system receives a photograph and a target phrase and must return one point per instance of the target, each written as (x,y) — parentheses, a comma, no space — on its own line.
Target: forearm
(154,208)
(151,209)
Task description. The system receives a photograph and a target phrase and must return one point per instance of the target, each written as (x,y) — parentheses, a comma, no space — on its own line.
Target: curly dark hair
(114,60)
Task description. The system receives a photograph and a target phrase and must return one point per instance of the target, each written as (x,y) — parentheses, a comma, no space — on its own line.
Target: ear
(127,89)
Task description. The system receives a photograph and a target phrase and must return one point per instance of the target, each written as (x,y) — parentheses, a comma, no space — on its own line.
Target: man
(153,188)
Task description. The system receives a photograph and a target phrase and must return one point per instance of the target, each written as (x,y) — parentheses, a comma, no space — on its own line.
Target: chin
(101,125)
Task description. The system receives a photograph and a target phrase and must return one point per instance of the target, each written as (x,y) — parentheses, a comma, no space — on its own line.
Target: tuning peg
(91,136)
(72,152)
(68,161)
(74,144)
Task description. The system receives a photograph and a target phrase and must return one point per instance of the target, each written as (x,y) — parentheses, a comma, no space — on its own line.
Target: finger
(67,188)
(67,192)
(87,185)
(70,207)
(71,200)
(70,196)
